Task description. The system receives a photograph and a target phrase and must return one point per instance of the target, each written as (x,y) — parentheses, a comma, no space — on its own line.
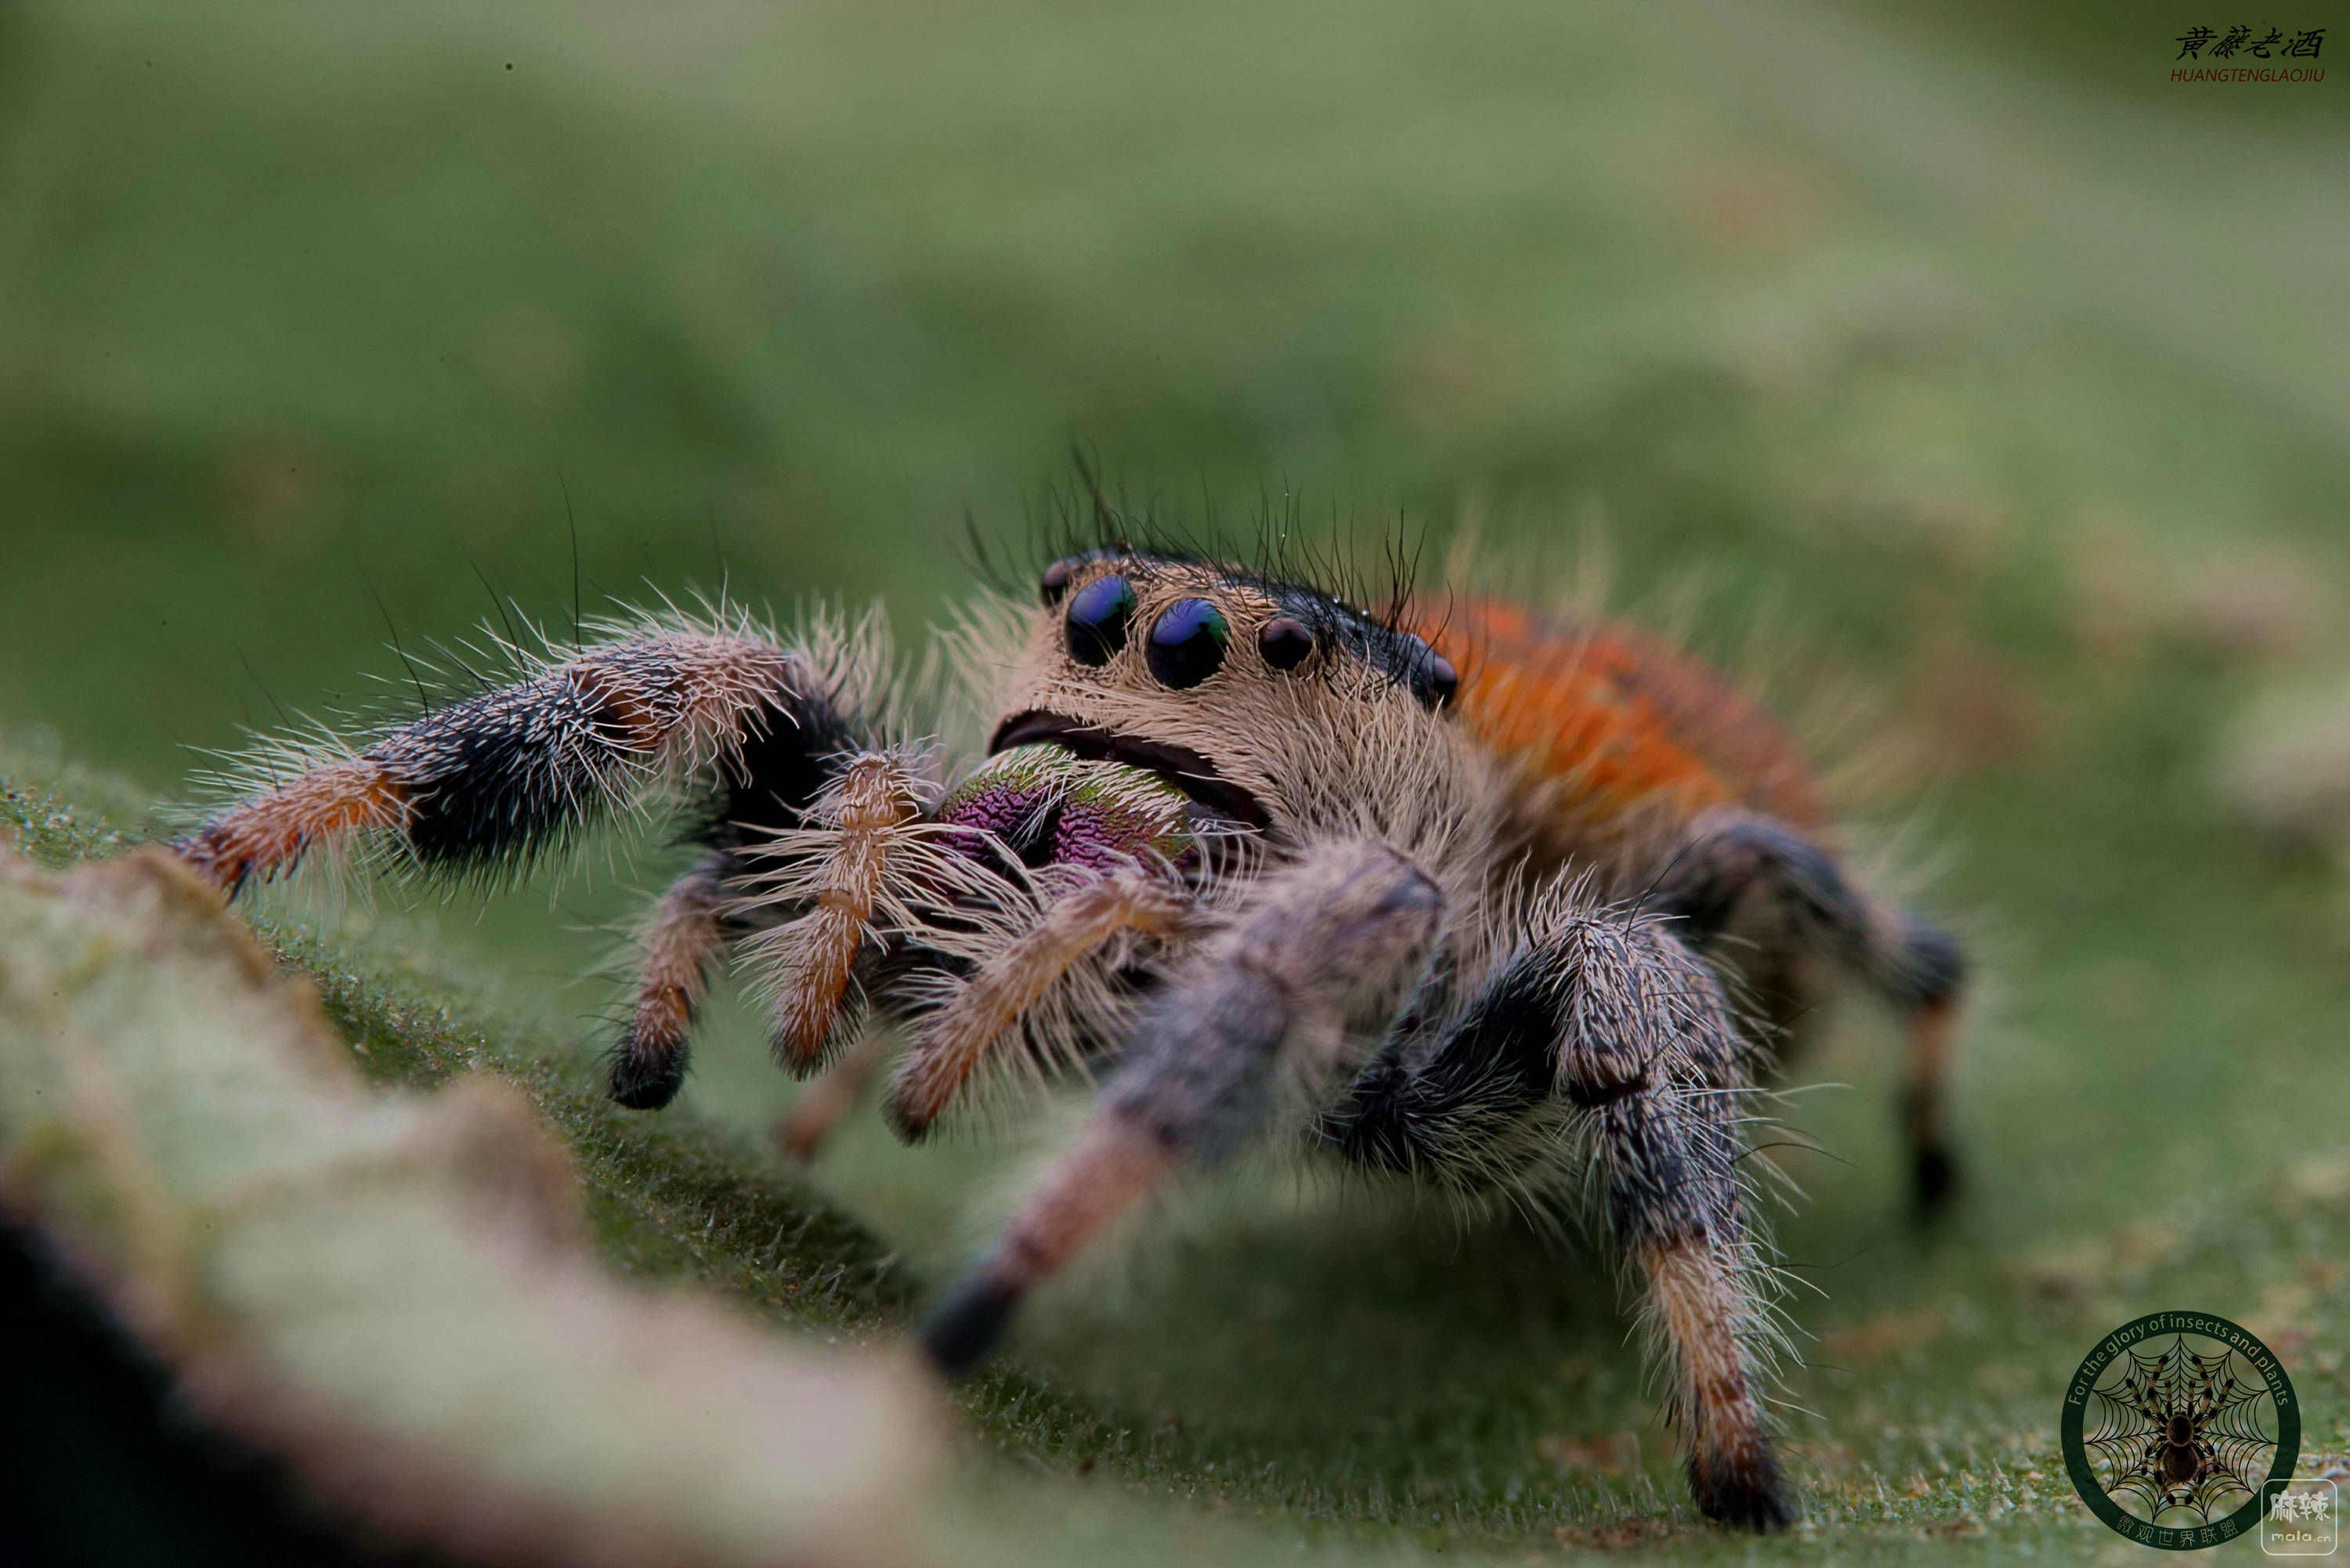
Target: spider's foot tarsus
(640,1087)
(1934,1171)
(962,1330)
(903,1126)
(1936,1175)
(1746,1494)
(823,1105)
(1113,1163)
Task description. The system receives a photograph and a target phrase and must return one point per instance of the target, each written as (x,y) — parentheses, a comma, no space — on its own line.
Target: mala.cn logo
(2179,1430)
(2301,1519)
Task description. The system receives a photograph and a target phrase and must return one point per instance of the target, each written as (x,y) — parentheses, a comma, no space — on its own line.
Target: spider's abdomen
(1616,718)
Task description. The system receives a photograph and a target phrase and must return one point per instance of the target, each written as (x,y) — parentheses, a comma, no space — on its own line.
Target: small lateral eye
(1098,618)
(1187,645)
(1057,581)
(1285,642)
(1433,679)
(1443,680)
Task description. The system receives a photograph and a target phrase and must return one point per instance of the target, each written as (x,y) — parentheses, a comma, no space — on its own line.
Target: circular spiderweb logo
(2173,1426)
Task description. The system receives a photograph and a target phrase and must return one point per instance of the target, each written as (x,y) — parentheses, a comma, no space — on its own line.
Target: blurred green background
(1956,340)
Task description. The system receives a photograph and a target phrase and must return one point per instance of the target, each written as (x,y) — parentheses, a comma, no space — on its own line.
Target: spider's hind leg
(1761,899)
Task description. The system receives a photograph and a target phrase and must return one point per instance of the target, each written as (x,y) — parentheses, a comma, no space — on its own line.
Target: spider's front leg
(488,784)
(1612,1015)
(1264,1011)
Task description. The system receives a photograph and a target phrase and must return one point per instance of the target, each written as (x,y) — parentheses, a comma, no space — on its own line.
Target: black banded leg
(1608,1033)
(1777,895)
(483,786)
(1440,1106)
(1324,955)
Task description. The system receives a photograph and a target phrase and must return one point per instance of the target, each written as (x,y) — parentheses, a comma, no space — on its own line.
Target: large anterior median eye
(1187,646)
(1098,618)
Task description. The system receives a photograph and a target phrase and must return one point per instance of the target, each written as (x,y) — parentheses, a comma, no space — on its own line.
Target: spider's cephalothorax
(1455,895)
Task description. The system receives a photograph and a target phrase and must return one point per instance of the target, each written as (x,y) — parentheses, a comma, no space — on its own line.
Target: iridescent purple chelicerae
(1050,808)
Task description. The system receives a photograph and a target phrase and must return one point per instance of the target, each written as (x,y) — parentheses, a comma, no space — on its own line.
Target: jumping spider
(1454,893)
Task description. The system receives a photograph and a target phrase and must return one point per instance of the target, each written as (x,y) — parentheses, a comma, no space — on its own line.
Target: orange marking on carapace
(1617,716)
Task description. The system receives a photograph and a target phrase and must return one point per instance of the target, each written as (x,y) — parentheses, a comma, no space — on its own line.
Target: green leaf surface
(392,1290)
